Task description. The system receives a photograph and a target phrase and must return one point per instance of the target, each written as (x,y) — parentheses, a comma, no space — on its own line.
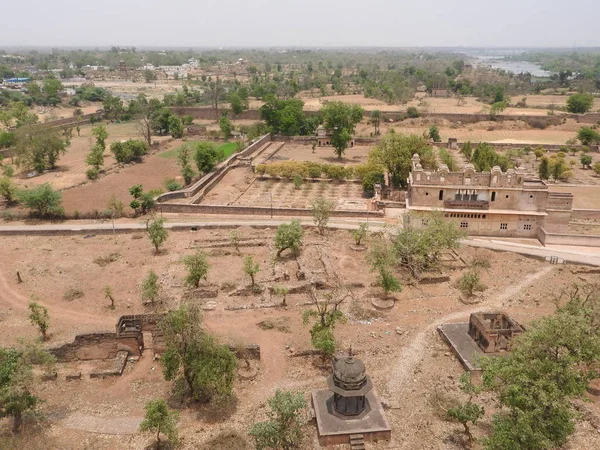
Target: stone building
(493,332)
(324,137)
(494,203)
(354,413)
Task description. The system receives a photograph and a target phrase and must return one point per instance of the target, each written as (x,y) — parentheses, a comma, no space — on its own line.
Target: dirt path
(13,299)
(413,353)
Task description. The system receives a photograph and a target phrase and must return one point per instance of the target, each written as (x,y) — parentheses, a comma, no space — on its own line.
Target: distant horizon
(301,24)
(289,47)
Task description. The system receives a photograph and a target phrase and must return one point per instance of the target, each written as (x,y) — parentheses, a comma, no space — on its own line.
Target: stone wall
(209,113)
(205,180)
(256,211)
(586,214)
(85,118)
(548,238)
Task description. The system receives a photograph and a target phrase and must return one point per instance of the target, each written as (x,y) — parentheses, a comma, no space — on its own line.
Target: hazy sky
(401,23)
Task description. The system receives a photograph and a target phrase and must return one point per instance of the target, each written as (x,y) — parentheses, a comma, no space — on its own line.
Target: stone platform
(332,430)
(465,348)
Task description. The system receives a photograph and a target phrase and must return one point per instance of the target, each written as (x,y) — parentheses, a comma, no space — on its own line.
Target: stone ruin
(132,334)
(486,333)
(493,332)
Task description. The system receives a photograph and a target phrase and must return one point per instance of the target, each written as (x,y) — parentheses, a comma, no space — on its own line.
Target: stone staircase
(357,442)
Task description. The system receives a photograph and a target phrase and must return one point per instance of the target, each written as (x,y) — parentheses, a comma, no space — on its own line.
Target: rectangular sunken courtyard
(284,194)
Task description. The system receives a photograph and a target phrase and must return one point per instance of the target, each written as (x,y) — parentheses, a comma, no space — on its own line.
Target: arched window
(494,196)
(441,196)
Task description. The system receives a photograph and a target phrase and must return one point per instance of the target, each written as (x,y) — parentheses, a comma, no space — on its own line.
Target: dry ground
(408,368)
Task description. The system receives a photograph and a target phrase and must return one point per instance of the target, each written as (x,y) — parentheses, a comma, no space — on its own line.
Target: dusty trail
(413,353)
(12,299)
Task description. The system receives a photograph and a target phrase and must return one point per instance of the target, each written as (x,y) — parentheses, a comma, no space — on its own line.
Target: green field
(228,149)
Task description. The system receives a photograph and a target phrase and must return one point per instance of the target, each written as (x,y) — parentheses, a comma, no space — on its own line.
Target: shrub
(42,200)
(130,150)
(92,173)
(297,181)
(412,112)
(469,283)
(538,123)
(580,103)
(289,236)
(187,120)
(173,185)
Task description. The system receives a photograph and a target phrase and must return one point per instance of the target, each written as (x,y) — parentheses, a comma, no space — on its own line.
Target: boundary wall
(208,178)
(257,210)
(568,239)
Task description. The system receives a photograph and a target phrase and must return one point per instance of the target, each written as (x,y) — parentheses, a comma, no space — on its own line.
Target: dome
(349,370)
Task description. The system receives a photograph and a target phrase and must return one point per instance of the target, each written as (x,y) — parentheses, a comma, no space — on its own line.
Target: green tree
(175,127)
(142,202)
(39,318)
(183,159)
(130,150)
(412,112)
(544,169)
(8,190)
(194,358)
(588,136)
(327,313)
(6,118)
(39,148)
(251,268)
(238,105)
(467,151)
(226,126)
(360,233)
(467,412)
(157,233)
(381,257)
(559,169)
(159,419)
(7,138)
(548,367)
(51,87)
(283,429)
(42,200)
(150,287)
(376,121)
(101,134)
(289,236)
(20,112)
(16,383)
(586,161)
(340,119)
(580,103)
(149,75)
(285,116)
(321,210)
(206,157)
(388,282)
(538,152)
(418,248)
(394,152)
(197,267)
(434,133)
(95,157)
(470,282)
(596,168)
